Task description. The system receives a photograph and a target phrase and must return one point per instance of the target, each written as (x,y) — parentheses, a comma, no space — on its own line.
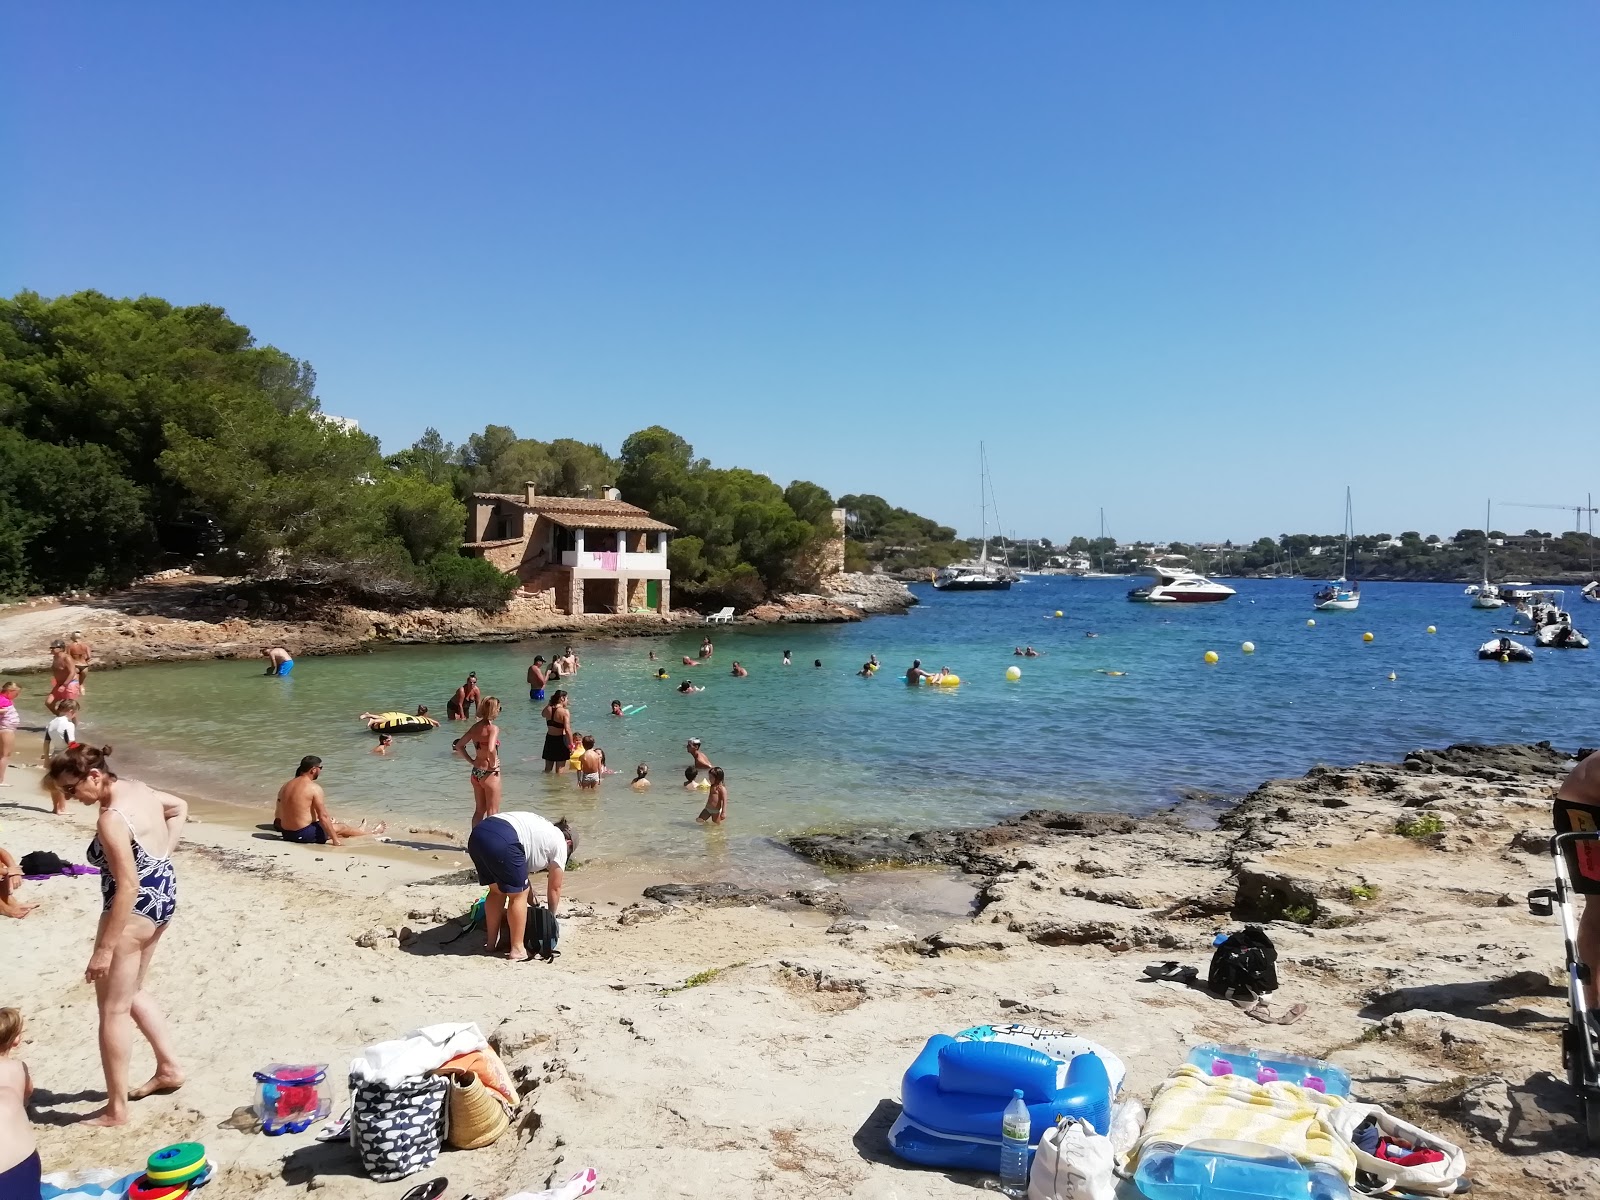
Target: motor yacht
(1175,585)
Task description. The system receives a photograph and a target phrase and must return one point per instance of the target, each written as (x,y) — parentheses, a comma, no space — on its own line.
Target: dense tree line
(138,434)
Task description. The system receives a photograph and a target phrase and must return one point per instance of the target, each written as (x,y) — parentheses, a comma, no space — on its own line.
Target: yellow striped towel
(1192,1105)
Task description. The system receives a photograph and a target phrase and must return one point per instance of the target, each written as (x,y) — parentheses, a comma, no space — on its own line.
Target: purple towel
(69,869)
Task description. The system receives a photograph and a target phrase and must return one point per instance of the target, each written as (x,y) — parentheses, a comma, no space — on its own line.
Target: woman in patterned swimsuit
(480,746)
(133,843)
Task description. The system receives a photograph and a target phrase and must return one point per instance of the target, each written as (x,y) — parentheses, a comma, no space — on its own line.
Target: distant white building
(348,424)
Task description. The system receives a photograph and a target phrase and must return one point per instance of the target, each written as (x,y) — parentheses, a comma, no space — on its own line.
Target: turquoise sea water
(807,747)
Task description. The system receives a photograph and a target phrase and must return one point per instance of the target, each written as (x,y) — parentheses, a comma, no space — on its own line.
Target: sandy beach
(718,1042)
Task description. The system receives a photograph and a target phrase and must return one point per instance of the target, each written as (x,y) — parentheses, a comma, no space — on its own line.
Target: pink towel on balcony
(607,560)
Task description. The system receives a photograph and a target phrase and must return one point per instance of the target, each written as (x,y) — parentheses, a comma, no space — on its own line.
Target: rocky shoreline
(1456,1027)
(180,617)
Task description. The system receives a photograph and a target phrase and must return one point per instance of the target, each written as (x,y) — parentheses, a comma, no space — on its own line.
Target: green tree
(425,518)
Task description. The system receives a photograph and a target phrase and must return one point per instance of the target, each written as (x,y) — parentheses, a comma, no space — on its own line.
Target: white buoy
(1013,673)
(1248,647)
(1311,622)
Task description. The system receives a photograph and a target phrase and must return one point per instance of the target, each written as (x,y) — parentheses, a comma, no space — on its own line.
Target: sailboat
(1341,595)
(1485,594)
(1100,571)
(981,575)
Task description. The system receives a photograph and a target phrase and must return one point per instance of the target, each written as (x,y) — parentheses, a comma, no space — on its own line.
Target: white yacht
(1177,585)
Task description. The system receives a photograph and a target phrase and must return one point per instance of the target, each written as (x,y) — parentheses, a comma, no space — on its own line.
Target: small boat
(1175,585)
(1341,595)
(1591,592)
(1485,594)
(1503,649)
(1561,636)
(979,575)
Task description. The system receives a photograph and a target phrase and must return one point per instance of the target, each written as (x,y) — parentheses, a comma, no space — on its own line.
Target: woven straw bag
(477,1115)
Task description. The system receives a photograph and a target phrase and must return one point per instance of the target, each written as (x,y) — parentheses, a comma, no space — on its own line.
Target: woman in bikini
(133,843)
(557,733)
(480,746)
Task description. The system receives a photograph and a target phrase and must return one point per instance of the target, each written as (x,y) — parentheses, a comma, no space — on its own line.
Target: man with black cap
(302,813)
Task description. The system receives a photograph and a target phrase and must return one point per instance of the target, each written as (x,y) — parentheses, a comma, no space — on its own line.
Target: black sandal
(431,1190)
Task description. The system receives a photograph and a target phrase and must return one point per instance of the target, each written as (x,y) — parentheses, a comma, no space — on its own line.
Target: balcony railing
(613,560)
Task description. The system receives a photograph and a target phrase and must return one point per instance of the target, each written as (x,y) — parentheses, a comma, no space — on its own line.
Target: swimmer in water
(739,672)
(691,779)
(786,661)
(641,778)
(686,687)
(690,662)
(816,662)
(1030,652)
(1113,672)
(616,708)
(916,674)
(1090,633)
(866,670)
(661,673)
(872,661)
(1017,653)
(652,656)
(385,744)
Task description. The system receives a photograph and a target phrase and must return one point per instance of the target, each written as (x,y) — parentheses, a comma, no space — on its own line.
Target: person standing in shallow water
(136,832)
(480,746)
(536,678)
(557,733)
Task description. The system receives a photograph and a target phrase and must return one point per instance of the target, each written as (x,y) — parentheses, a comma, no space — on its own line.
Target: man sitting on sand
(1577,810)
(302,813)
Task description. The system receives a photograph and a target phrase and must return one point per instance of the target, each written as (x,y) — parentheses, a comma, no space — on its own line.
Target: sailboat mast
(1487,521)
(983,504)
(1344,567)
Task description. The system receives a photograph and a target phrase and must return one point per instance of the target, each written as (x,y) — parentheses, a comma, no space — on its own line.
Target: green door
(652,594)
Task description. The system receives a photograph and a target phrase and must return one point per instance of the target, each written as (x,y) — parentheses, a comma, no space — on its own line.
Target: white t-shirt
(541,841)
(61,728)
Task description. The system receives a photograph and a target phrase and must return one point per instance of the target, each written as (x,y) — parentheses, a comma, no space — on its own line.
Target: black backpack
(1244,962)
(42,862)
(542,933)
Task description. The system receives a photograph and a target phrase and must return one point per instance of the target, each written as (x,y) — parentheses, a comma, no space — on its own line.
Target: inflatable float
(399,722)
(939,680)
(954,1093)
(1503,649)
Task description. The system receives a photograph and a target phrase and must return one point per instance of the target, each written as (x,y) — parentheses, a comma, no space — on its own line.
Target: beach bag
(397,1130)
(1246,961)
(1375,1175)
(477,1116)
(43,862)
(1073,1162)
(542,933)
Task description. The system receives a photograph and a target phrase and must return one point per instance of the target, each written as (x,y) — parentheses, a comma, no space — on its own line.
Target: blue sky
(1202,265)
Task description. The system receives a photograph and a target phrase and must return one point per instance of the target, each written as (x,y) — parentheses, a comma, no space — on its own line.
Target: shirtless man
(915,674)
(79,651)
(697,756)
(279,660)
(302,812)
(64,683)
(536,678)
(739,672)
(1577,810)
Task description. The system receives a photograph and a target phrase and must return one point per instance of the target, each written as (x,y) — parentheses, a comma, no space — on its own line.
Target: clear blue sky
(1200,264)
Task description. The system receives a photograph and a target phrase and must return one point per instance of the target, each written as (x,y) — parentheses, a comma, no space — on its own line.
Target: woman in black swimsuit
(557,733)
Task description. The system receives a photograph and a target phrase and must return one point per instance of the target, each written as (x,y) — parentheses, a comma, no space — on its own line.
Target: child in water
(692,781)
(661,673)
(18,1150)
(716,809)
(641,778)
(616,708)
(786,661)
(385,744)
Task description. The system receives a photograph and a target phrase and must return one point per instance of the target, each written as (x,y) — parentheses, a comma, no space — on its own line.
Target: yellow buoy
(1505,658)
(1311,622)
(1366,637)
(1058,612)
(1013,673)
(1391,676)
(1431,629)
(1211,656)
(1248,647)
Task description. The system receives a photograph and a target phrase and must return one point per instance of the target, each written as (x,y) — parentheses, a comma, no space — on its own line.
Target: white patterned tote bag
(397,1130)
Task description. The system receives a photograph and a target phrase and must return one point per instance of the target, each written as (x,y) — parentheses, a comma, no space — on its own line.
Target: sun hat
(477,1116)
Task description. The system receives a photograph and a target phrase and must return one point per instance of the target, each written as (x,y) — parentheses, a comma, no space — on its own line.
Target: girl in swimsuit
(716,809)
(480,746)
(133,843)
(557,734)
(9,722)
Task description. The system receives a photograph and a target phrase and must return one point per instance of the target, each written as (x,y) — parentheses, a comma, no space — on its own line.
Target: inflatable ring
(1057,1043)
(166,1179)
(143,1189)
(178,1157)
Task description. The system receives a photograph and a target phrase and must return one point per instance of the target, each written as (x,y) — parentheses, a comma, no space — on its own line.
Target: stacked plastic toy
(172,1172)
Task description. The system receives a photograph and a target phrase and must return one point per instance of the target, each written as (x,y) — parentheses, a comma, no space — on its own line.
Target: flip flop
(431,1190)
(1171,972)
(336,1131)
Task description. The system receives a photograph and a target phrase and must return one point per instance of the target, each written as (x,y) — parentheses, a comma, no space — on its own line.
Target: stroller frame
(1578,1040)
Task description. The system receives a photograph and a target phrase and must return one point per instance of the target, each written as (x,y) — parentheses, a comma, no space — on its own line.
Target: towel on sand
(489,1069)
(1191,1106)
(418,1053)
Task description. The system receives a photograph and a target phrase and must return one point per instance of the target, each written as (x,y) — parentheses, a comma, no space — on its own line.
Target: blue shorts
(497,852)
(285,667)
(535,693)
(312,835)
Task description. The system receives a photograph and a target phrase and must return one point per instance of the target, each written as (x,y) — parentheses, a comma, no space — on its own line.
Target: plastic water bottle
(1015,1126)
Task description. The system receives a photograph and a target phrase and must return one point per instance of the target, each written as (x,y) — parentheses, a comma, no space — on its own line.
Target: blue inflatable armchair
(953,1095)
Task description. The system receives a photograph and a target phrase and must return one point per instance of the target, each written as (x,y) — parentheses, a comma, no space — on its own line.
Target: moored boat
(1175,585)
(1503,649)
(1341,595)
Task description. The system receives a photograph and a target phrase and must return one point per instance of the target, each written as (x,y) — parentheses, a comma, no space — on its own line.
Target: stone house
(583,555)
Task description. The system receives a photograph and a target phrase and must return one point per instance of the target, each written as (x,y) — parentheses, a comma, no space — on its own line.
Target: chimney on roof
(529,491)
(611,493)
